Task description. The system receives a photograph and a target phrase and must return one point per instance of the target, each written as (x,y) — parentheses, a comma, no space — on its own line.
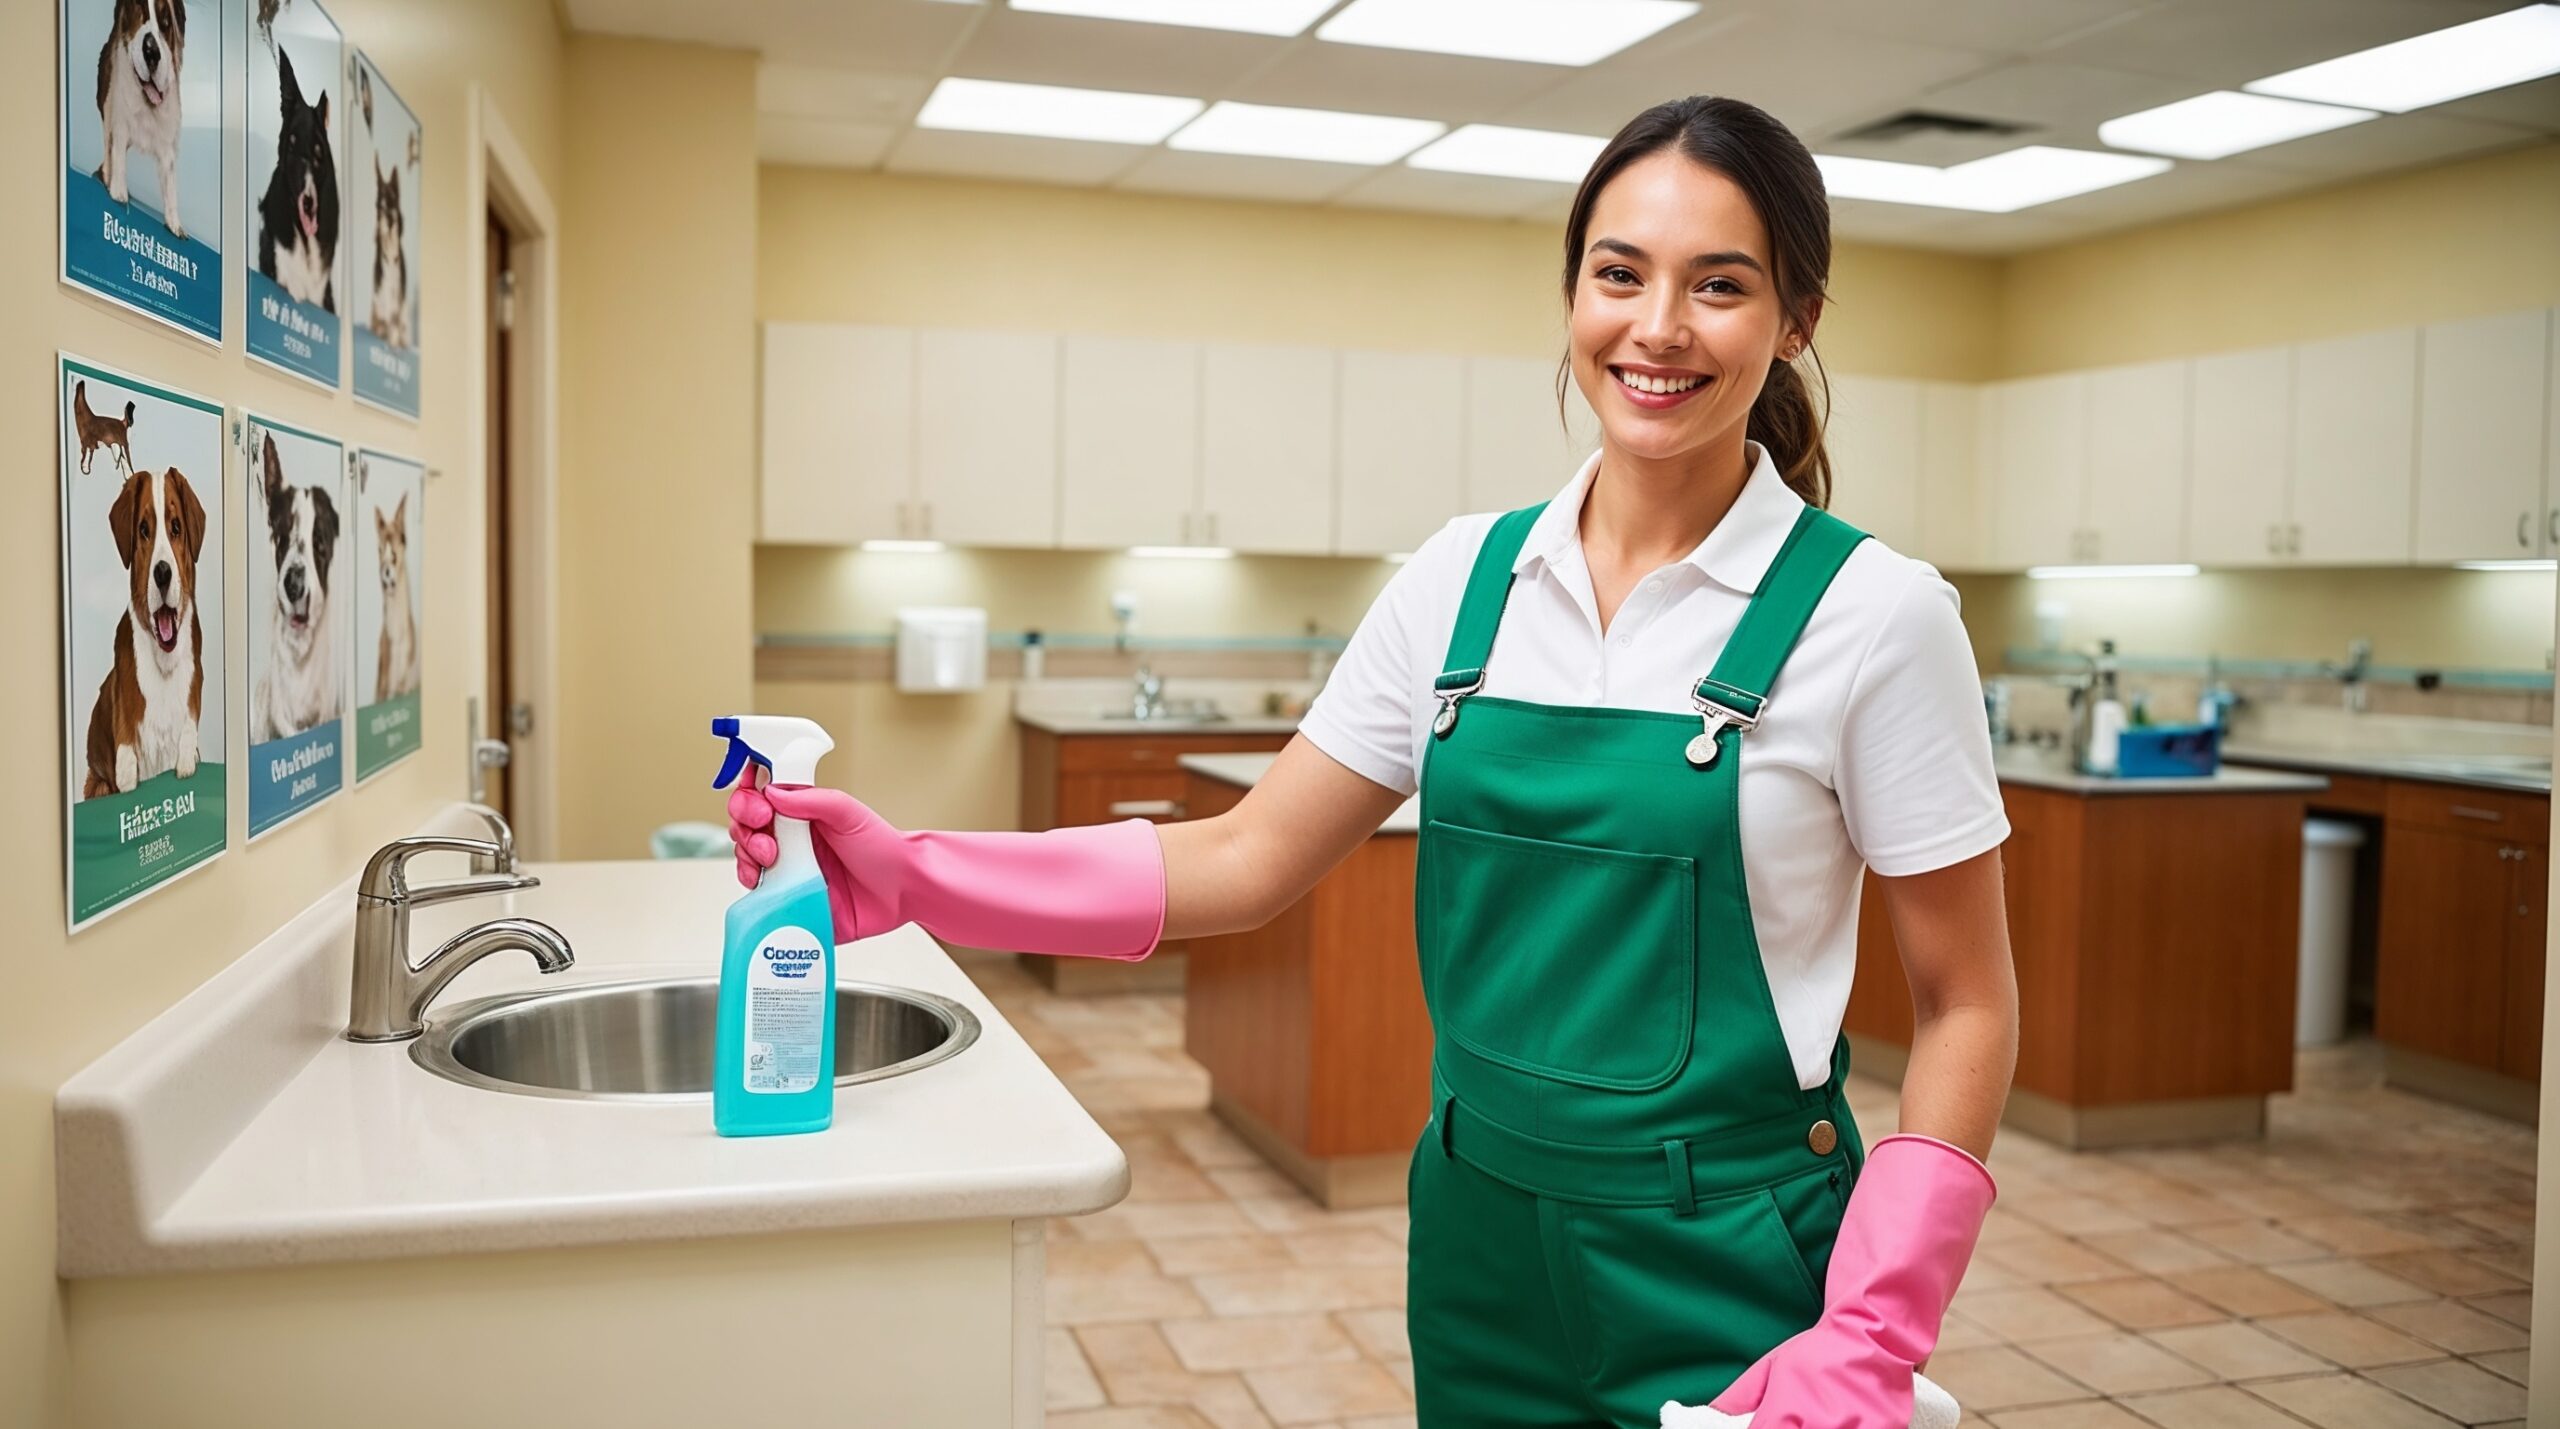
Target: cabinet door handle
(2465,811)
(1147,809)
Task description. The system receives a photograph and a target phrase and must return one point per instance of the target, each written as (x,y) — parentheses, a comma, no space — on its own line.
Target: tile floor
(2367,1267)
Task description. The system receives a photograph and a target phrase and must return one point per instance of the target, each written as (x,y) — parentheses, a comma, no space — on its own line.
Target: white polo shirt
(1872,750)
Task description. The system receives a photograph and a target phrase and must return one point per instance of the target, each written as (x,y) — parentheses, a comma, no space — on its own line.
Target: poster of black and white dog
(143,197)
(143,621)
(297,109)
(299,619)
(390,607)
(388,148)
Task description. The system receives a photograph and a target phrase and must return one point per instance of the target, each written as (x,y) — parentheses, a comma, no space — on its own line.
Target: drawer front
(1113,753)
(2480,813)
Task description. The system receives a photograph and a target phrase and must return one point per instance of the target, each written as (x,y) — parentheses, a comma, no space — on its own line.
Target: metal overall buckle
(1451,687)
(1722,706)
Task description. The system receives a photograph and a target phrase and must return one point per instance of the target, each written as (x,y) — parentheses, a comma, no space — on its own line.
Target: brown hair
(1777,174)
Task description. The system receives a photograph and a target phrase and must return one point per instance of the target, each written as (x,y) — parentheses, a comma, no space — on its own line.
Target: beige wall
(658,381)
(64,1000)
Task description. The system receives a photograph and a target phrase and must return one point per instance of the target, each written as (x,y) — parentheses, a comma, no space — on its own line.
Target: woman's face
(1675,315)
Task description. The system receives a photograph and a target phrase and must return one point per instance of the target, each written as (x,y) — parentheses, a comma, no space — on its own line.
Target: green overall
(1623,1196)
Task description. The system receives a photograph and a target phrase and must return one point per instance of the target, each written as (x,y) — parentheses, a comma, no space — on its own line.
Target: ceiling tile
(1245,176)
(902,36)
(862,96)
(1811,79)
(824,143)
(1009,156)
(2223,44)
(1432,191)
(1366,80)
(1111,54)
(2394,141)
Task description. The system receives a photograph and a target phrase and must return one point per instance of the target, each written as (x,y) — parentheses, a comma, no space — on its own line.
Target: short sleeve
(1363,717)
(1914,773)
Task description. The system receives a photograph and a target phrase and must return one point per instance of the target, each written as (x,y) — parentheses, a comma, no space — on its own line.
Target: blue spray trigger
(739,753)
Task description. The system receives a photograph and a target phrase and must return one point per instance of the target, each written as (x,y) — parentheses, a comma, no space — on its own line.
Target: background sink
(652,1041)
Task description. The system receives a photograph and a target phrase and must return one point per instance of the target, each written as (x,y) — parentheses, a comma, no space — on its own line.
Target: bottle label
(787,996)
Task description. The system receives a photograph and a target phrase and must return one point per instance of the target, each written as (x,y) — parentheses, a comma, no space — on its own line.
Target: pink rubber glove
(1093,891)
(1904,1242)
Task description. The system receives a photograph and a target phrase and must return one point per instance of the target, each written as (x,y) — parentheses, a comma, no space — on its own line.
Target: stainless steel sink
(652,1041)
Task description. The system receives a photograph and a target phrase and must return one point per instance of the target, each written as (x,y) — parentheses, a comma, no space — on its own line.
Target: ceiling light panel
(1509,153)
(1555,32)
(2429,69)
(1252,17)
(1324,134)
(989,106)
(2225,122)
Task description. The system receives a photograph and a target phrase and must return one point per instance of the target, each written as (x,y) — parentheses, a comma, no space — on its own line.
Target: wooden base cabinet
(2458,976)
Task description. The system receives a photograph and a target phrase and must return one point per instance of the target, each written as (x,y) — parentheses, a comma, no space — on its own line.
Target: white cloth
(1872,748)
(1931,1408)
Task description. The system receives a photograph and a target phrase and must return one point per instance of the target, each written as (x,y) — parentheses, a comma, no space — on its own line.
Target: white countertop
(1104,724)
(238,1130)
(2049,769)
(1245,771)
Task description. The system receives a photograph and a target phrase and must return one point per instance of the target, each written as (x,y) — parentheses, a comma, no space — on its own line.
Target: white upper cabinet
(1520,449)
(1401,475)
(2039,470)
(1128,443)
(1874,441)
(839,432)
(987,437)
(1951,504)
(2482,386)
(2135,511)
(2355,414)
(2241,471)
(1267,439)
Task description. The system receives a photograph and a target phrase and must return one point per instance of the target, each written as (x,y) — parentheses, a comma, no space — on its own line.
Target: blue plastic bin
(2168,751)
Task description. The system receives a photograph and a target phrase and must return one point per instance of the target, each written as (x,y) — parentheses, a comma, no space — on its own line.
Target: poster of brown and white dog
(143,620)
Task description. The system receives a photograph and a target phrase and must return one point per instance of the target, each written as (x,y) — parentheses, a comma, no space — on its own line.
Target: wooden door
(2441,974)
(495,711)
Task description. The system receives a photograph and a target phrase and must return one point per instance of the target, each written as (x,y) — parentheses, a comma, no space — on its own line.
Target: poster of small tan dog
(143,622)
(389,588)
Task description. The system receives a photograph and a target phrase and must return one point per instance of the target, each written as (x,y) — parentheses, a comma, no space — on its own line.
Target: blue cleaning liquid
(774,1053)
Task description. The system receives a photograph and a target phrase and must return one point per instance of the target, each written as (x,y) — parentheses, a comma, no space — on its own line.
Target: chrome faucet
(388,999)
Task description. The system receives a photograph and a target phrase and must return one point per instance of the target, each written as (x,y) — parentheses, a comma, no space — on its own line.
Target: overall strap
(1814,552)
(1488,590)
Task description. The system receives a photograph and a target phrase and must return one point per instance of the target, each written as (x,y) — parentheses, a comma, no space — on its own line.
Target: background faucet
(387,998)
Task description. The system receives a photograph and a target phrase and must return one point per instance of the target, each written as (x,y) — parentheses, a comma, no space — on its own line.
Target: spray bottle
(773,1069)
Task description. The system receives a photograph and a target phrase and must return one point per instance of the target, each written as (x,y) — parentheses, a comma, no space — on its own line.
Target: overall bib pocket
(1574,964)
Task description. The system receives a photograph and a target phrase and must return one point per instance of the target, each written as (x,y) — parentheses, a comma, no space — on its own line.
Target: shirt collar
(1736,554)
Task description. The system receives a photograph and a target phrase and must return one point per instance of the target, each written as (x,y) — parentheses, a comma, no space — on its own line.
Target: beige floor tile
(2446,1272)
(2088,1414)
(2156,1252)
(1212,1346)
(2342,1337)
(2018,1315)
(2338,1401)
(1989,1380)
(1304,1394)
(2451,1325)
(2255,1242)
(1101,1257)
(2221,1407)
(2351,1283)
(2246,1291)
(1068,1380)
(2138,1303)
(1105,1299)
(1379,1333)
(1126,1348)
(1302,1290)
(2506,1364)
(2513,1306)
(2236,1351)
(2118,1363)
(1355,1247)
(1201,1255)
(2462,1392)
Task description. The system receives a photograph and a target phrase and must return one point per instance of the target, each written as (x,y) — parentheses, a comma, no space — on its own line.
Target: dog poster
(142,637)
(143,196)
(297,109)
(391,607)
(388,147)
(299,618)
